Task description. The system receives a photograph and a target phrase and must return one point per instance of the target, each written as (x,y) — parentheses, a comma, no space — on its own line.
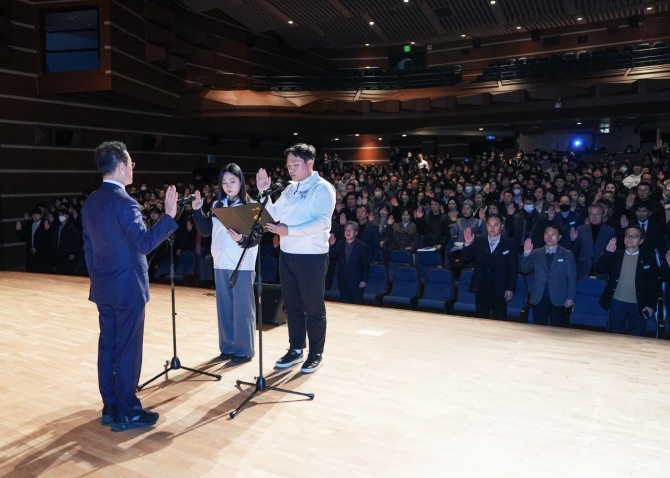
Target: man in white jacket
(303,212)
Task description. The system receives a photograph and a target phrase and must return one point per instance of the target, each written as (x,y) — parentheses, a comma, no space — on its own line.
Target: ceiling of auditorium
(346,23)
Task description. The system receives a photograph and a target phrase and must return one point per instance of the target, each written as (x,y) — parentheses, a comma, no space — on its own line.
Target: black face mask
(565,207)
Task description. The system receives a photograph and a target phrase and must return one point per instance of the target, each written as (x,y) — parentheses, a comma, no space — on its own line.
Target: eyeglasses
(630,236)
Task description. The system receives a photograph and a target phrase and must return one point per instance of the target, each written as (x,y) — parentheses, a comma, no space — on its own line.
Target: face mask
(478,188)
(61,218)
(143,188)
(565,207)
(378,194)
(468,189)
(516,191)
(528,208)
(623,169)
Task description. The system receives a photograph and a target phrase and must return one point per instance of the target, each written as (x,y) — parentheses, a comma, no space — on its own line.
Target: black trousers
(544,313)
(487,305)
(302,278)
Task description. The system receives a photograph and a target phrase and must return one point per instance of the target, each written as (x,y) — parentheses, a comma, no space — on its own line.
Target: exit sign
(407,48)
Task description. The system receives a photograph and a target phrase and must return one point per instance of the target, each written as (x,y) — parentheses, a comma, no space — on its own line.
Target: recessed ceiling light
(579,19)
(518,28)
(290,22)
(579,122)
(481,129)
(295,134)
(493,2)
(367,44)
(411,43)
(336,139)
(404,135)
(371,23)
(380,139)
(357,135)
(650,8)
(462,35)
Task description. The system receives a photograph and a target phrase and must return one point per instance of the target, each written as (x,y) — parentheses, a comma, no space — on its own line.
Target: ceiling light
(493,2)
(380,139)
(411,43)
(357,135)
(367,44)
(371,23)
(518,28)
(650,8)
(462,35)
(579,122)
(336,139)
(295,134)
(404,135)
(579,19)
(481,129)
(290,22)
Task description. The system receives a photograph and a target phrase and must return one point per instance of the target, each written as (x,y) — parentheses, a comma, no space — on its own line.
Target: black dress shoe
(240,359)
(226,356)
(108,412)
(144,419)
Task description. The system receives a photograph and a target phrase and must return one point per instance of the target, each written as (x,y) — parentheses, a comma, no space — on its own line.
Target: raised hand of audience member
(197,202)
(19,226)
(332,239)
(509,295)
(419,212)
(482,212)
(611,246)
(511,209)
(527,247)
(573,234)
(630,200)
(624,221)
(468,236)
(343,219)
(390,221)
(551,212)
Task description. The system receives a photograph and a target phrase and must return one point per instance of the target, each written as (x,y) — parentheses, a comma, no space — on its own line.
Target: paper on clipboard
(241,218)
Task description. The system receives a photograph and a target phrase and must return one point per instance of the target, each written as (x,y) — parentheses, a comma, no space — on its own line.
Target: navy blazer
(646,278)
(116,242)
(506,260)
(354,271)
(586,251)
(561,276)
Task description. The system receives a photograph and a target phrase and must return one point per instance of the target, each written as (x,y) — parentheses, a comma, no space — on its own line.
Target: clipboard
(241,218)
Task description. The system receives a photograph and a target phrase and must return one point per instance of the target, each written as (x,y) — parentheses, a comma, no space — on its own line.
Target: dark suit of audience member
(632,287)
(495,269)
(566,220)
(38,243)
(67,242)
(528,223)
(354,264)
(585,247)
(433,226)
(403,235)
(553,285)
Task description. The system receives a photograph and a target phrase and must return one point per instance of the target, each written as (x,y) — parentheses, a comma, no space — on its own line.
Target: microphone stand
(260,384)
(175,363)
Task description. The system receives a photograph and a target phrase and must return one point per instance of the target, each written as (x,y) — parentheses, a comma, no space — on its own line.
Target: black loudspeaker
(274,311)
(535,35)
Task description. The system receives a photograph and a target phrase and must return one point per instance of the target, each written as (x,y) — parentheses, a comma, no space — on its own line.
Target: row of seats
(439,292)
(577,62)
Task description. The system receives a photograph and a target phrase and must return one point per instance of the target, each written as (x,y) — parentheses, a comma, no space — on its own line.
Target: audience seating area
(582,61)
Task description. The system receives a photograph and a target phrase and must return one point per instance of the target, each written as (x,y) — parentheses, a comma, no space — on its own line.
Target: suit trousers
(625,318)
(302,278)
(120,356)
(488,305)
(545,313)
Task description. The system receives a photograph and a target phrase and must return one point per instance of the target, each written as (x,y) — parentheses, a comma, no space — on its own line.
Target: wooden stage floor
(401,394)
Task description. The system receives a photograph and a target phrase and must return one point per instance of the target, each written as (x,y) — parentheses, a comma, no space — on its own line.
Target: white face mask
(61,218)
(378,194)
(529,208)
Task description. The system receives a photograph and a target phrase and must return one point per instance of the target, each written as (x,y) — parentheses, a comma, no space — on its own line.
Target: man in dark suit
(495,268)
(631,292)
(528,223)
(654,232)
(588,241)
(554,282)
(116,242)
(354,264)
(38,243)
(565,219)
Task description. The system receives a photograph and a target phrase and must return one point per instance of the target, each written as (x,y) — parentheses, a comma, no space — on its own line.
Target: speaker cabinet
(272,303)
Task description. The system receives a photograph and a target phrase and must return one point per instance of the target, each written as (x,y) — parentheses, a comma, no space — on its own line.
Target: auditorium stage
(401,394)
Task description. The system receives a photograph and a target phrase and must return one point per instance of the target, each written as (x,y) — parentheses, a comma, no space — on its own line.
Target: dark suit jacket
(561,277)
(573,219)
(535,232)
(354,271)
(586,251)
(646,278)
(506,263)
(116,243)
(654,238)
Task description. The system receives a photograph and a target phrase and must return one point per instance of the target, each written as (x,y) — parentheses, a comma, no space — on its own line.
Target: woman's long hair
(236,171)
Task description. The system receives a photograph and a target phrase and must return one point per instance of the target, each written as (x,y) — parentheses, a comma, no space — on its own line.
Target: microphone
(271,190)
(186,199)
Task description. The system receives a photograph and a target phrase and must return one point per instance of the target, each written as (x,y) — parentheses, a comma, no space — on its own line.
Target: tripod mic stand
(260,384)
(175,363)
